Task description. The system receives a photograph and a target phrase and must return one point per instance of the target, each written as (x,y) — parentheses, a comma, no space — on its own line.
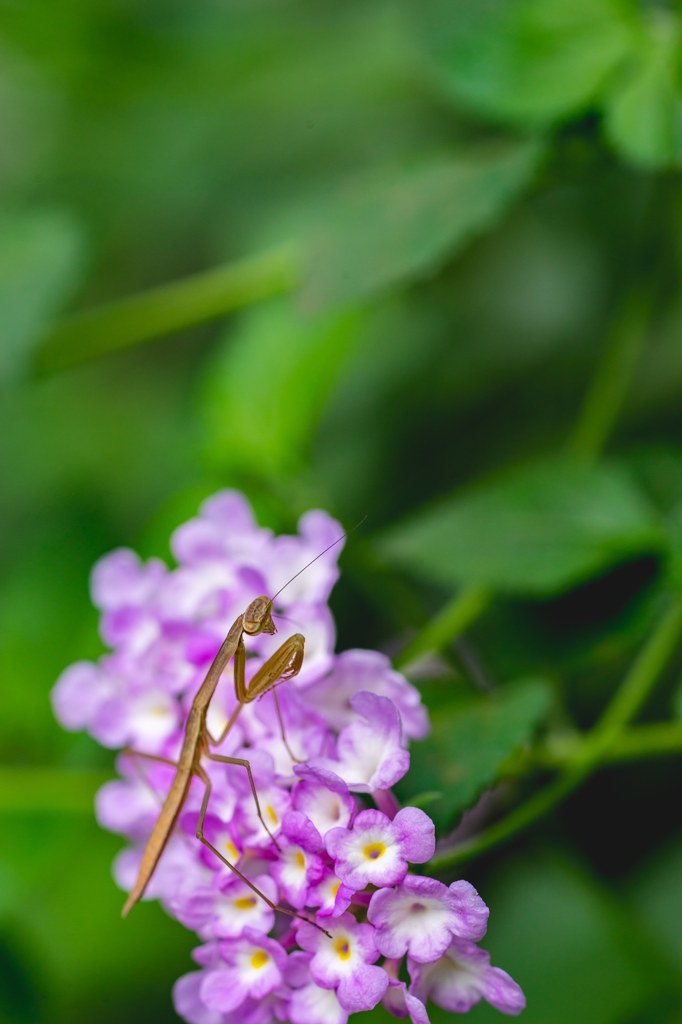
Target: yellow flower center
(245,902)
(374,850)
(300,860)
(232,850)
(270,811)
(335,888)
(259,959)
(342,949)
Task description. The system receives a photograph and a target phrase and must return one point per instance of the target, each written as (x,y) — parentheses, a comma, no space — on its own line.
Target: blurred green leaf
(470,743)
(269,383)
(674,566)
(644,111)
(401,222)
(538,529)
(41,257)
(63,906)
(20,999)
(677,702)
(578,953)
(527,61)
(657,893)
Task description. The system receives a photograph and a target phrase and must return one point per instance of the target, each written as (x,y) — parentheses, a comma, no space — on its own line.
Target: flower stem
(612,378)
(456,616)
(591,752)
(655,739)
(173,307)
(387,802)
(595,423)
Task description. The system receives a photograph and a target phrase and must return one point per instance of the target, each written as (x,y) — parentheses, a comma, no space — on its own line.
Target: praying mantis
(284,664)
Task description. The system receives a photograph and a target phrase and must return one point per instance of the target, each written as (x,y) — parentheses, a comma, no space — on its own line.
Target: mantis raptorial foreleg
(280,666)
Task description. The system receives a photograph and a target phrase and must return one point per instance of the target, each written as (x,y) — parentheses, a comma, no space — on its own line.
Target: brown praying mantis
(284,664)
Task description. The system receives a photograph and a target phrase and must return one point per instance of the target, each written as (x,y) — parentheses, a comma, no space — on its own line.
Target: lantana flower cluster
(343,846)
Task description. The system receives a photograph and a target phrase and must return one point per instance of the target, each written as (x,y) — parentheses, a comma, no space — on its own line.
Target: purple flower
(225,907)
(126,807)
(308,1003)
(345,962)
(188,1003)
(399,1001)
(356,670)
(370,752)
(290,554)
(179,866)
(115,707)
(327,804)
(330,895)
(345,716)
(462,977)
(376,850)
(314,1005)
(255,967)
(422,915)
(299,865)
(79,693)
(120,580)
(225,529)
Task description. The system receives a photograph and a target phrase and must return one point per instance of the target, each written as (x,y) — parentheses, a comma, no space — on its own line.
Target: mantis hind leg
(144,779)
(224,759)
(247,881)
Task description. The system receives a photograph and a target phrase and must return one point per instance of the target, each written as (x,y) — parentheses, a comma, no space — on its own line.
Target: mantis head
(258,617)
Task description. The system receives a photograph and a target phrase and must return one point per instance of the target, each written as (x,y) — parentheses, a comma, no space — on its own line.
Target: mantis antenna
(323,552)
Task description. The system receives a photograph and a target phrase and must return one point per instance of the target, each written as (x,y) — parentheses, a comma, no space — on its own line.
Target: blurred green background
(415,261)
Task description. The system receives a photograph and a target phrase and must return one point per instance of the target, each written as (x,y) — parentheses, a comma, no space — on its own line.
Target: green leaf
(674,564)
(526,61)
(67,919)
(400,223)
(578,952)
(269,384)
(657,893)
(677,702)
(537,530)
(470,743)
(644,113)
(41,256)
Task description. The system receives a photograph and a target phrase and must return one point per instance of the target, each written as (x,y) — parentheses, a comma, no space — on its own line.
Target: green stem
(657,739)
(40,790)
(628,699)
(612,378)
(637,684)
(595,423)
(159,311)
(456,616)
(29,789)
